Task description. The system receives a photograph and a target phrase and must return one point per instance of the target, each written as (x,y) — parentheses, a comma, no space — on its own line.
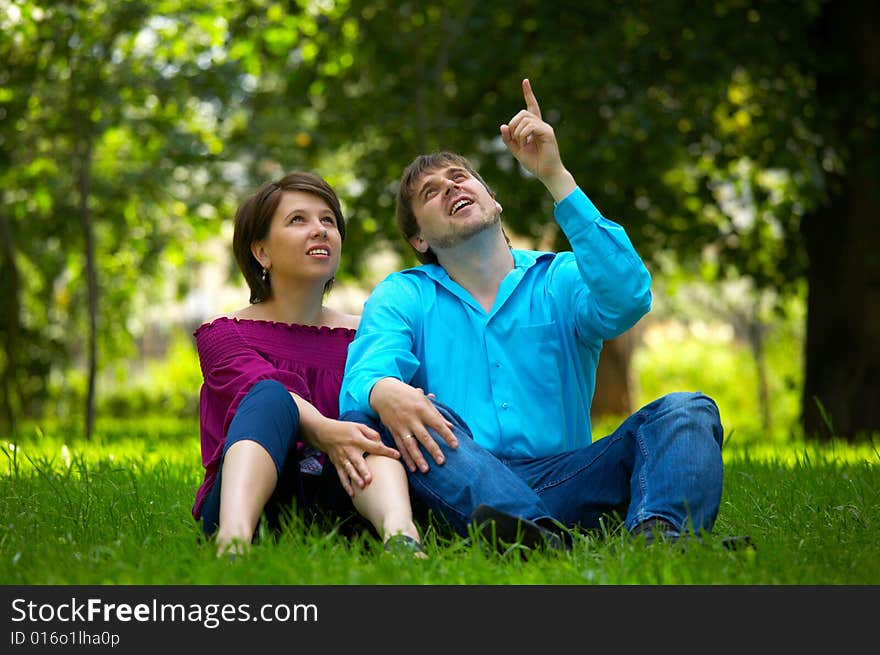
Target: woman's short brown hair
(254,218)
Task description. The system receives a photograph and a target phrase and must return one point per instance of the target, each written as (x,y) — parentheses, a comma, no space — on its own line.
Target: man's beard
(462,233)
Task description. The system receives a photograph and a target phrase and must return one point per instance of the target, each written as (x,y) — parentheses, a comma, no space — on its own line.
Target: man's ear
(259,252)
(418,243)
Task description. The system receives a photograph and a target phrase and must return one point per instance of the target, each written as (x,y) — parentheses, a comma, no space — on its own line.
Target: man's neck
(479,265)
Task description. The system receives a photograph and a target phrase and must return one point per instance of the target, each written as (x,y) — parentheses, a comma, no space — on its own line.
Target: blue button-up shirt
(522,375)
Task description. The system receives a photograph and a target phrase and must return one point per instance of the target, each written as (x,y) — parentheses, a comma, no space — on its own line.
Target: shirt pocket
(538,349)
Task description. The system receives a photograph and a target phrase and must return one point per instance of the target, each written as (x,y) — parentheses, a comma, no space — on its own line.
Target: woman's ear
(258,249)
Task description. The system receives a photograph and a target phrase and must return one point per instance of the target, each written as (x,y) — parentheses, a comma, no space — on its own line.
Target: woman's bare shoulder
(335,318)
(244,312)
(254,312)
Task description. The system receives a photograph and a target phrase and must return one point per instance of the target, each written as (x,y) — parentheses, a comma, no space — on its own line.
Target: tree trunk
(841,395)
(614,384)
(11,292)
(83,147)
(92,280)
(756,336)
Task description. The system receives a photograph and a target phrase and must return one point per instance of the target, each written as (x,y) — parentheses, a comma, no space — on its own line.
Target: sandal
(404,544)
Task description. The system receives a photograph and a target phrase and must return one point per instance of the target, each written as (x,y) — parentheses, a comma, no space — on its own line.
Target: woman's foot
(231,546)
(400,543)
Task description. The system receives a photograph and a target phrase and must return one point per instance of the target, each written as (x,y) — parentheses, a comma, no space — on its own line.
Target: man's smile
(459,204)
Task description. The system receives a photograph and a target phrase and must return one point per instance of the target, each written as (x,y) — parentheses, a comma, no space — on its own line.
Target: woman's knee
(269,416)
(269,392)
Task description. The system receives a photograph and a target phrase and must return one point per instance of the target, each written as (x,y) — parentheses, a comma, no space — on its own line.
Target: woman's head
(253,221)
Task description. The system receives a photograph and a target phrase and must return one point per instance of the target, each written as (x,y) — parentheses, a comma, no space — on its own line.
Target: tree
(714,132)
(694,124)
(842,235)
(109,119)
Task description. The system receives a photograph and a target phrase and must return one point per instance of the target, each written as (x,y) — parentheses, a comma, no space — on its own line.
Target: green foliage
(705,357)
(117,511)
(730,342)
(691,138)
(113,116)
(144,123)
(168,387)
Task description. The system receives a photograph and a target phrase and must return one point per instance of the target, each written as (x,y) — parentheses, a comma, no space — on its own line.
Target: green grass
(116,511)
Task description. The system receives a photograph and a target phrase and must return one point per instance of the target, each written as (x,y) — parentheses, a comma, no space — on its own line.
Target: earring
(265,274)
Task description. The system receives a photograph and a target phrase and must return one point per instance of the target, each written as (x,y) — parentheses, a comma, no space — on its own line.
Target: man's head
(432,184)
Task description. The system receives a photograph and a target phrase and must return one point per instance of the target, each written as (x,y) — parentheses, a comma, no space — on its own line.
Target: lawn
(116,511)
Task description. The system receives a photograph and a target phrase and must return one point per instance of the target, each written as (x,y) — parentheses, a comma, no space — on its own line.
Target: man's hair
(254,218)
(406,218)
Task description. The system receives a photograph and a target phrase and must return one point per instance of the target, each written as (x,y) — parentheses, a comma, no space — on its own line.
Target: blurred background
(735,140)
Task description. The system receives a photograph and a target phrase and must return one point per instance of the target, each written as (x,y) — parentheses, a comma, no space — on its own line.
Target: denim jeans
(663,461)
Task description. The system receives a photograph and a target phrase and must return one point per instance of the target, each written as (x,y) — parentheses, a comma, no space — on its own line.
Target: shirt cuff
(577,207)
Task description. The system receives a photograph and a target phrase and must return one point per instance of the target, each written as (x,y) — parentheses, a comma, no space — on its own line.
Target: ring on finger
(409,436)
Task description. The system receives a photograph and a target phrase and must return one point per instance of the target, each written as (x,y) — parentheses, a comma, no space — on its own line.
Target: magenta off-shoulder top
(236,353)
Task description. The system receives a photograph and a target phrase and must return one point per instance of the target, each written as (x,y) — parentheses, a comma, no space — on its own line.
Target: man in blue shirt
(507,342)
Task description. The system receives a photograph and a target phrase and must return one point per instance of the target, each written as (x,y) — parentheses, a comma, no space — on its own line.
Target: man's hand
(408,413)
(533,142)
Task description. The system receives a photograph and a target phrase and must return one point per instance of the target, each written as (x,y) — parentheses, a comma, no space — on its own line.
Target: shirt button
(497,365)
(504,405)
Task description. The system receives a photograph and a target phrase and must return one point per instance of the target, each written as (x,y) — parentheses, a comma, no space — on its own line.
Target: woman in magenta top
(271,441)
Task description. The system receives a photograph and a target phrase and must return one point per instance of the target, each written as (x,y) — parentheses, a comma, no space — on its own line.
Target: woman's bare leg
(385,501)
(249,478)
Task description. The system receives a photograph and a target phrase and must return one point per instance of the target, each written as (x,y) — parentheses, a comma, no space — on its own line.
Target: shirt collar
(522,259)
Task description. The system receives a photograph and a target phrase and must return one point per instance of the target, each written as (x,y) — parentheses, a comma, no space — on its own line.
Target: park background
(735,140)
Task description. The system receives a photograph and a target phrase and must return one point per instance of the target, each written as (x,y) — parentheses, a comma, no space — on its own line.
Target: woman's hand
(345,443)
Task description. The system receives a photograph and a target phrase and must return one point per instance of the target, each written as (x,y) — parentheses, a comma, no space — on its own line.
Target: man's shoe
(512,529)
(656,529)
(741,542)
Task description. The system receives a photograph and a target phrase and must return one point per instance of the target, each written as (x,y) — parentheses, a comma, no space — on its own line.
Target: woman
(272,373)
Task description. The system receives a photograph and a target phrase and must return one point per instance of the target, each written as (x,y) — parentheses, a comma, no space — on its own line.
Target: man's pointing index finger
(531,100)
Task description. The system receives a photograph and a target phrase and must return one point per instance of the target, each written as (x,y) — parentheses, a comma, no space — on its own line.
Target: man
(506,342)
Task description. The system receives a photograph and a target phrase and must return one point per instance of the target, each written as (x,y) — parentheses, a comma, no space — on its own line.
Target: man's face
(451,205)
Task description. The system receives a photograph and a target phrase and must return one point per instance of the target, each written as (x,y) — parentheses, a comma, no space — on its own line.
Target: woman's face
(303,240)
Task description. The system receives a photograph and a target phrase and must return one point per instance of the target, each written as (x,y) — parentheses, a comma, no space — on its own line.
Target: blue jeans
(663,461)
